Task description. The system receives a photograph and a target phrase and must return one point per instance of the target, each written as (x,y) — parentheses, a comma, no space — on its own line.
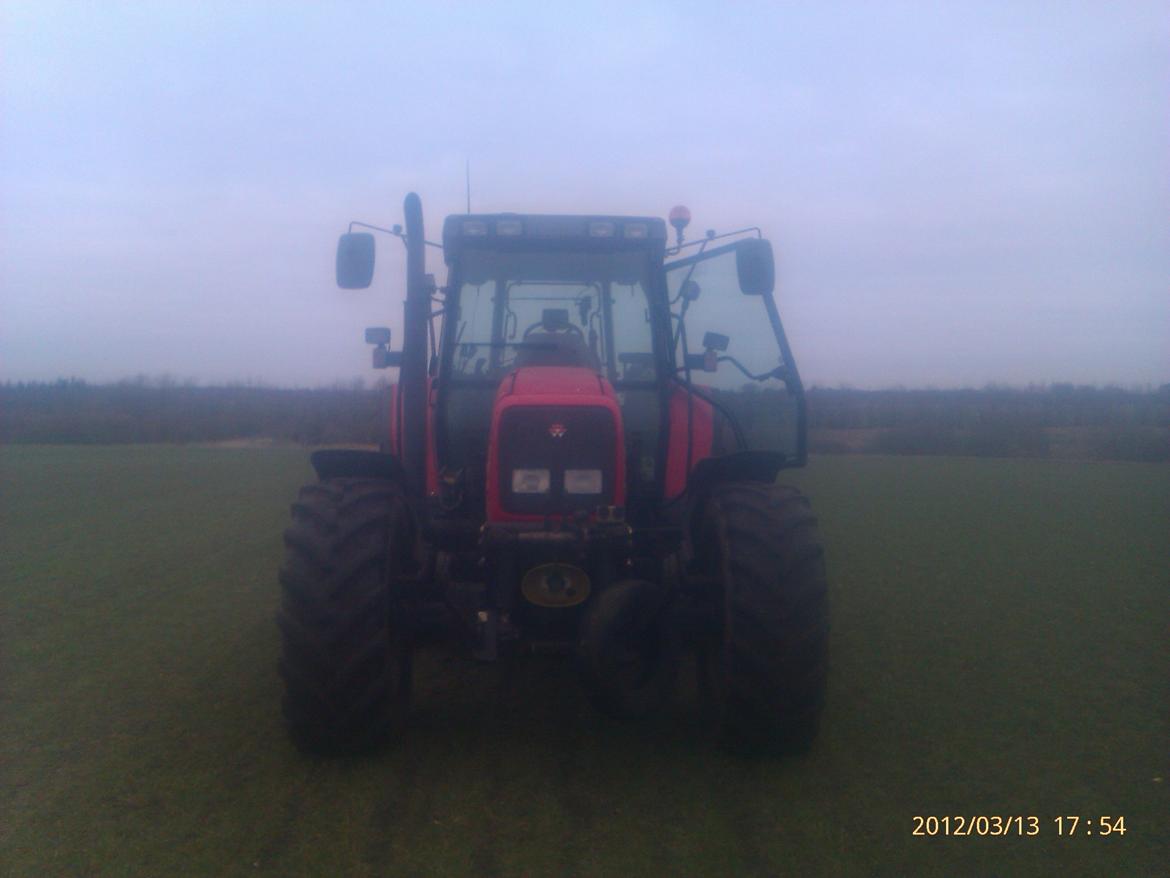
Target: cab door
(730,348)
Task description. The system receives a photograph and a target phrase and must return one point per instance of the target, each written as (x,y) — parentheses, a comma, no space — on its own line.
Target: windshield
(559,308)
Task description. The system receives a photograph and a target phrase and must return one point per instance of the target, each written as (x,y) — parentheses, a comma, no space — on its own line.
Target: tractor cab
(535,296)
(582,455)
(688,344)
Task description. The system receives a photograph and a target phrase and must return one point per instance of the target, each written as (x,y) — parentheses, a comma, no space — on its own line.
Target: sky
(958,193)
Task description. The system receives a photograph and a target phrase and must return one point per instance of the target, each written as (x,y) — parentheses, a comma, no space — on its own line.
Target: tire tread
(345,670)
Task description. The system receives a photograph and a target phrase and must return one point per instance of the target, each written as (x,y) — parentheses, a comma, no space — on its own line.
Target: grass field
(1001,646)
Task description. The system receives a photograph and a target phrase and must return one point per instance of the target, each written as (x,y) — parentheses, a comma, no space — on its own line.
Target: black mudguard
(743,466)
(346,463)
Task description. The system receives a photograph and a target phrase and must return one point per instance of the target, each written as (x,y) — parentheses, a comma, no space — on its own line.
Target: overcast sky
(959,193)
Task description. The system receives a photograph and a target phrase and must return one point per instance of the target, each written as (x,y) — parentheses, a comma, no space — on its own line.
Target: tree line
(73,411)
(1057,420)
(1053,420)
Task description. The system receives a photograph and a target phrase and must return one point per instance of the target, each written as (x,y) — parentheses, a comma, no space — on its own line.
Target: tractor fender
(345,463)
(742,466)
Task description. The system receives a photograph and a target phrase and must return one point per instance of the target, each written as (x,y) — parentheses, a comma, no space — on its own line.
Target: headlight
(530,481)
(582,481)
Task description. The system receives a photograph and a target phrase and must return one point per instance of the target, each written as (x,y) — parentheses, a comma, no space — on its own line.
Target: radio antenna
(467,170)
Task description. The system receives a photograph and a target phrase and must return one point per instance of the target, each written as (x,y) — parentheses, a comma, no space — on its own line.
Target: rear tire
(761,542)
(625,655)
(345,656)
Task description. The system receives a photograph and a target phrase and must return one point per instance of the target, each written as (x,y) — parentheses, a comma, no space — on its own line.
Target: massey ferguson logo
(557,430)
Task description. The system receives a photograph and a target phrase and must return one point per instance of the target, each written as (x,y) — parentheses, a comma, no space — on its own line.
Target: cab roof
(497,231)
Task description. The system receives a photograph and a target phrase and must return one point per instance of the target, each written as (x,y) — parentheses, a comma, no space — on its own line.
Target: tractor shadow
(521,701)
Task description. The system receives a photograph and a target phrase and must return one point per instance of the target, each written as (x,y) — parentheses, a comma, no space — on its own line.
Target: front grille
(556,438)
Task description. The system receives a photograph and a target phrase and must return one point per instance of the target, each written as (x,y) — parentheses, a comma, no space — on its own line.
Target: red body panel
(550,386)
(678,468)
(394,444)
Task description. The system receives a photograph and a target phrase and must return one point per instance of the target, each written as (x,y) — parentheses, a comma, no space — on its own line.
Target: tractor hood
(560,428)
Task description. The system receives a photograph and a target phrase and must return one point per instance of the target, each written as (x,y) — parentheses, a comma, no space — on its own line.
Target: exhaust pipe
(413,374)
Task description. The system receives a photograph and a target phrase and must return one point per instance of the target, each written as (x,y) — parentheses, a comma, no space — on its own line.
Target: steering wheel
(565,329)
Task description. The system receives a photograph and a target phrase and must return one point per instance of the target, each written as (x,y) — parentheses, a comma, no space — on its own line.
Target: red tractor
(566,469)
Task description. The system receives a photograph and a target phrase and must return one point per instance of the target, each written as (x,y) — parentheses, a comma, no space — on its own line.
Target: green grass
(1000,646)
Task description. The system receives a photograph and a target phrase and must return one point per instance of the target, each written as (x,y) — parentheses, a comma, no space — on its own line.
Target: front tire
(761,542)
(345,657)
(625,655)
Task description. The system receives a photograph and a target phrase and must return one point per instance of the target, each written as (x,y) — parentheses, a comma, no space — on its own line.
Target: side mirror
(690,291)
(355,260)
(755,267)
(377,335)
